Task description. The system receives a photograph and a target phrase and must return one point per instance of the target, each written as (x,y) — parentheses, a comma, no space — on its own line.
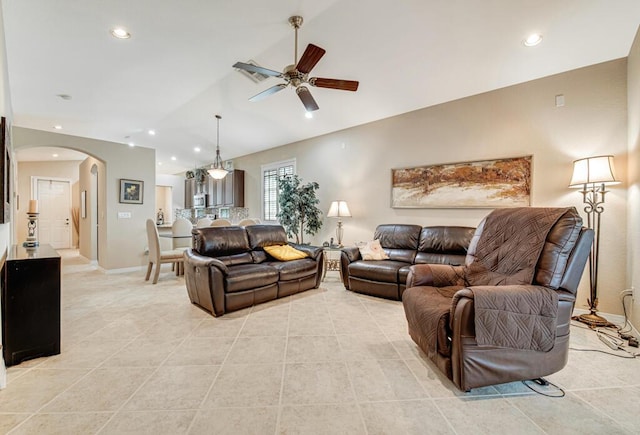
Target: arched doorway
(42,173)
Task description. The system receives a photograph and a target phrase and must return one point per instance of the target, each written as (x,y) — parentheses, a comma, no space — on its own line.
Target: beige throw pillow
(372,251)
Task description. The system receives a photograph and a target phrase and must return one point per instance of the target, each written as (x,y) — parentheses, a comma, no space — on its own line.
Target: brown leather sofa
(505,314)
(227,269)
(405,245)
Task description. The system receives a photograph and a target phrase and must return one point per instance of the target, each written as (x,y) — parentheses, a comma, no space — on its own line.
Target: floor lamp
(592,174)
(339,209)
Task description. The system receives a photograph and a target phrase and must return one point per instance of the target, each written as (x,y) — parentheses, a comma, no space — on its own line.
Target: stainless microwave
(199,200)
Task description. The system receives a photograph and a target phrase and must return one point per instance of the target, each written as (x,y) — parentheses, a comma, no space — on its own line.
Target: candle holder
(32,231)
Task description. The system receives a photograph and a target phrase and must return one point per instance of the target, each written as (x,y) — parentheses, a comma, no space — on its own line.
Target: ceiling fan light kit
(297,75)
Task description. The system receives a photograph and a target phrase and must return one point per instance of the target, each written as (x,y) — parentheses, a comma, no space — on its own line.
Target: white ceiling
(174,74)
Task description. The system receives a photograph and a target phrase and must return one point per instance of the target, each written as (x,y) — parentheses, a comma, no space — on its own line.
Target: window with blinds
(270,175)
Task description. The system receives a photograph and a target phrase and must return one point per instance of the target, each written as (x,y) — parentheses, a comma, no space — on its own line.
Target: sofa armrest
(347,256)
(312,251)
(436,275)
(350,254)
(198,260)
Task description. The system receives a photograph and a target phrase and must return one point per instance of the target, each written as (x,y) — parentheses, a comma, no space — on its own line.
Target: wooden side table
(331,260)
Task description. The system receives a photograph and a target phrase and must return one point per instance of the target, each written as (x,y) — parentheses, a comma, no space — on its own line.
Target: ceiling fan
(297,75)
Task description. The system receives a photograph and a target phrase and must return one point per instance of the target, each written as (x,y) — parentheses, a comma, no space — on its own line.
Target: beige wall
(633,195)
(355,164)
(56,169)
(122,242)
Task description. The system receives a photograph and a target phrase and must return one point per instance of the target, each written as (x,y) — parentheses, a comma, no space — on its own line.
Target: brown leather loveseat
(228,268)
(405,245)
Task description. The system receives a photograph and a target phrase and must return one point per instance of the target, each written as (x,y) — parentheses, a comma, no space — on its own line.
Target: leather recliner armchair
(505,314)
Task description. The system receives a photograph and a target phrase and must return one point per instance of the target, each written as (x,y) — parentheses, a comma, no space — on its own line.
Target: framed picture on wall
(480,184)
(131,191)
(5,172)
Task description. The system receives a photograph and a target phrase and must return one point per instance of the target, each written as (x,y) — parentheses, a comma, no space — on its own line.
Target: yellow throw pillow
(284,252)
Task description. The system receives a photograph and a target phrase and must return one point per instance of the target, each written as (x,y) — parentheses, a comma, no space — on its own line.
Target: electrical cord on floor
(626,328)
(612,341)
(616,337)
(542,382)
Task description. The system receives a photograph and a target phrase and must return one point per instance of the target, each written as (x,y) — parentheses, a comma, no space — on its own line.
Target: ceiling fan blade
(343,85)
(267,92)
(257,69)
(306,98)
(310,58)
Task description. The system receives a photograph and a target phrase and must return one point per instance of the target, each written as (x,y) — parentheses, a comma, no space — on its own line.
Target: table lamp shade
(339,209)
(593,170)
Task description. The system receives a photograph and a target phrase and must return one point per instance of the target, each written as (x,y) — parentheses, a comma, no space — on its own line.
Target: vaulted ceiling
(174,73)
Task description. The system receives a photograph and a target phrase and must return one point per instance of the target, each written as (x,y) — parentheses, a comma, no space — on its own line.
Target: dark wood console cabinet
(30,304)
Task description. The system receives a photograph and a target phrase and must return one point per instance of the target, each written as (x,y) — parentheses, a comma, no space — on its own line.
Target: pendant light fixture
(216,170)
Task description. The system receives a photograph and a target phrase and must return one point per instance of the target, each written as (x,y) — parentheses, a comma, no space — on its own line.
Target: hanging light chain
(217,163)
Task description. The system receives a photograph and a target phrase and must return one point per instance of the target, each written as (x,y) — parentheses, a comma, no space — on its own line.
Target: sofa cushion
(398,236)
(284,252)
(403,272)
(377,270)
(434,258)
(220,241)
(402,255)
(445,239)
(265,235)
(295,269)
(232,260)
(250,276)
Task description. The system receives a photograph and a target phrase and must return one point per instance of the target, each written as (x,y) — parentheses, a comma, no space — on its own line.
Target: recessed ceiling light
(308,115)
(197,149)
(159,163)
(152,132)
(120,33)
(131,144)
(533,39)
(57,127)
(54,155)
(173,158)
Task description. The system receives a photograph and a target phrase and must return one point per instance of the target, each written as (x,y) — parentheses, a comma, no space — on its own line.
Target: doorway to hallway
(54,203)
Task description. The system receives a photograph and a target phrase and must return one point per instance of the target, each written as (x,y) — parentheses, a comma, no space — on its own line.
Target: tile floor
(139,358)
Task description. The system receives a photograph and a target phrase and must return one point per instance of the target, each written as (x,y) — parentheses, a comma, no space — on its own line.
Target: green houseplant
(299,213)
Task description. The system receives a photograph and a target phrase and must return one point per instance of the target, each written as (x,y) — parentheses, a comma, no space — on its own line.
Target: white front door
(54,222)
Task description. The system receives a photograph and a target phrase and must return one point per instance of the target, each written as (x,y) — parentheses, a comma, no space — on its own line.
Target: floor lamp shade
(339,209)
(598,170)
(592,174)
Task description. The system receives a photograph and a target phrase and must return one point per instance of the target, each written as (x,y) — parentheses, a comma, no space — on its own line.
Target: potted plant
(299,213)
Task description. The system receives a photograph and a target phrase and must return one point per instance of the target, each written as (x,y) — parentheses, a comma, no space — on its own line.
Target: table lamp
(339,209)
(592,174)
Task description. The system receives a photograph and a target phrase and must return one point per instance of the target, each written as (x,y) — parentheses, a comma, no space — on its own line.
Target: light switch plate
(124,215)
